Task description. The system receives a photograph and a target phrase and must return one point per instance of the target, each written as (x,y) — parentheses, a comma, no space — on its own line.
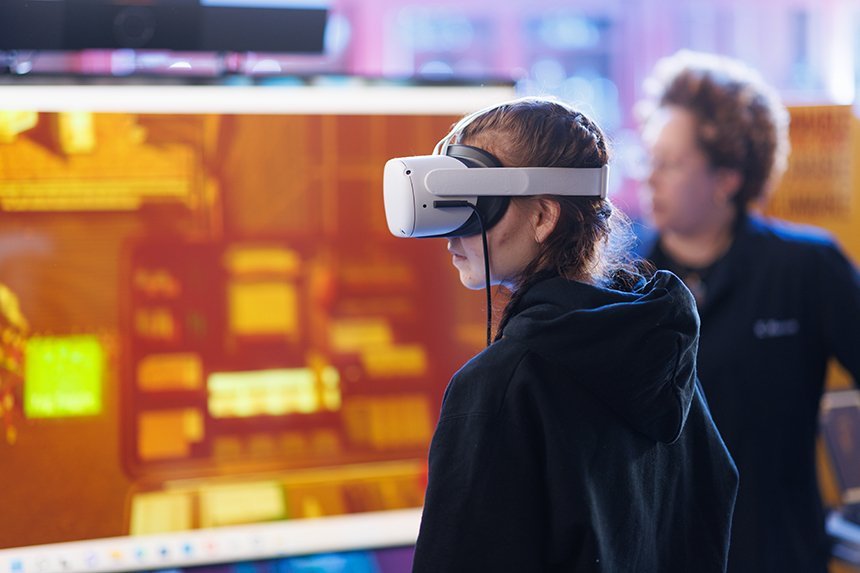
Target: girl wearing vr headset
(579,440)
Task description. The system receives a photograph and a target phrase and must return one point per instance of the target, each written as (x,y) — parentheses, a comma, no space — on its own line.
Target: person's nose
(650,176)
(455,245)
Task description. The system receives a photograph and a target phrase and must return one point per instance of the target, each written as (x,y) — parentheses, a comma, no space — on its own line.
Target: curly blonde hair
(741,123)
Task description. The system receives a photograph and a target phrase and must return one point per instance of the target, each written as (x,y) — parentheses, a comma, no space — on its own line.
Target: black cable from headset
(486,277)
(444,204)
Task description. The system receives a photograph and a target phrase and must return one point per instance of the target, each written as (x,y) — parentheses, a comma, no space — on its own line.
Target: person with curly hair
(776,301)
(579,440)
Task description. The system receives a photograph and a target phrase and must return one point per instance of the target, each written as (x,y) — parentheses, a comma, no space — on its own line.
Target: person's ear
(545,217)
(728,182)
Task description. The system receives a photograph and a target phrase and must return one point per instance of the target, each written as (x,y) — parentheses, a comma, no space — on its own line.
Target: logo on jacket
(773,328)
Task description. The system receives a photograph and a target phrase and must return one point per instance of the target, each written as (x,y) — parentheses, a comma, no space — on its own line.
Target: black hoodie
(580,441)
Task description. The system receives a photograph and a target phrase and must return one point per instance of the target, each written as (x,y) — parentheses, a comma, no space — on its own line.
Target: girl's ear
(545,217)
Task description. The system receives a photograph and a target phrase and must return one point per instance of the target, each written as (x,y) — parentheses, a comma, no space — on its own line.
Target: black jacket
(580,442)
(781,302)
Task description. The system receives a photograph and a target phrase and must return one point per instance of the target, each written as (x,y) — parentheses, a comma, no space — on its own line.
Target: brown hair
(742,124)
(591,240)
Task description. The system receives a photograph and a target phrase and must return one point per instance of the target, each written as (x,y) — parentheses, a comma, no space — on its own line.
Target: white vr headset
(444,195)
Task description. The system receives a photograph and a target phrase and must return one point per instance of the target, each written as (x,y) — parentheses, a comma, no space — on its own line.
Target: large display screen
(205,324)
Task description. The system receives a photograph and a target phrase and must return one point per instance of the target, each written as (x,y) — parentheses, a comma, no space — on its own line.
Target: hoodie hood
(635,350)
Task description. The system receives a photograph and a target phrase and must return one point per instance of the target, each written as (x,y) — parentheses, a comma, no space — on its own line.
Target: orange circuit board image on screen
(205,322)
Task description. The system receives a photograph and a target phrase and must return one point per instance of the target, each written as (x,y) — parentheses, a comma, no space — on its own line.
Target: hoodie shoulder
(635,351)
(480,387)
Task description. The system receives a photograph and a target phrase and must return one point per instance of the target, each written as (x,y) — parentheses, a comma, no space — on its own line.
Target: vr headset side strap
(519,181)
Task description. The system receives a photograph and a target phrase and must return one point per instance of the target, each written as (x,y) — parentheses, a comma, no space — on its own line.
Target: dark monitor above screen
(182,25)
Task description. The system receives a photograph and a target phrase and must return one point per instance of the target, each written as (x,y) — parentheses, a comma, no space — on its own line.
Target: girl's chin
(471,283)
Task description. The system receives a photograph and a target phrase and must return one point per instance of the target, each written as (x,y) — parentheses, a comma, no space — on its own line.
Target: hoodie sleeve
(839,312)
(484,507)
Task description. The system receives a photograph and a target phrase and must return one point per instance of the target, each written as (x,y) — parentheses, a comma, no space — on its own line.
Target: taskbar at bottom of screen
(354,532)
